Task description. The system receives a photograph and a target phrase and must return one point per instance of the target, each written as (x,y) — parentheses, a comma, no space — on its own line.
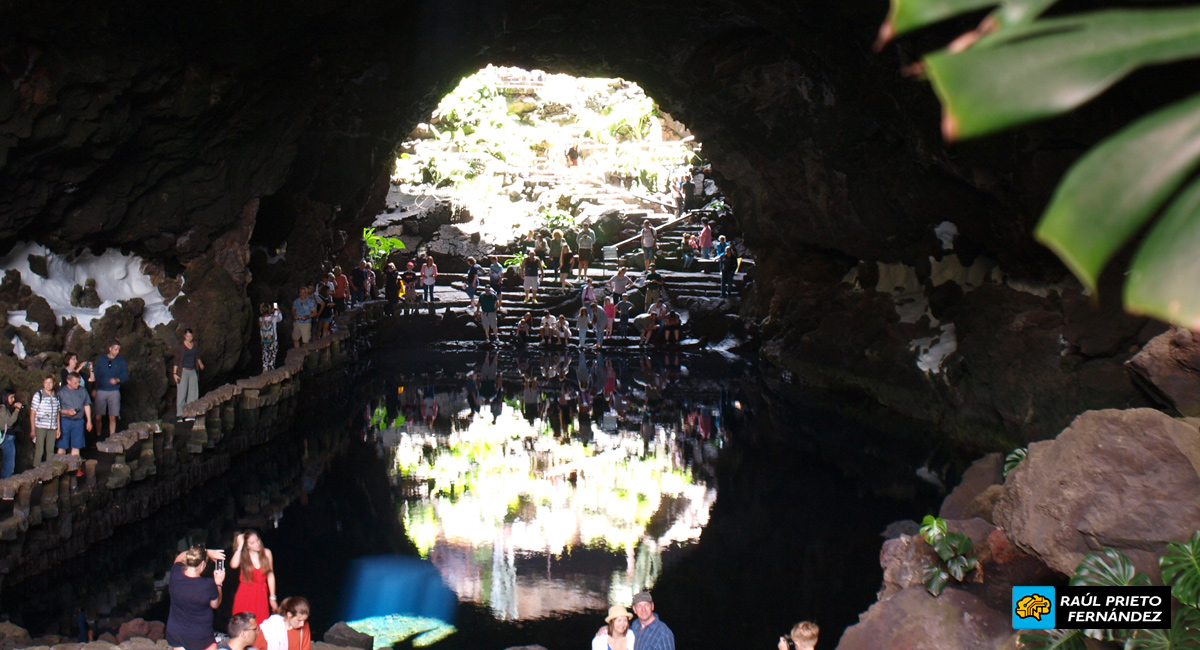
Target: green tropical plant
(955,555)
(1013,459)
(378,246)
(1108,568)
(1053,640)
(1184,633)
(557,219)
(1181,569)
(1020,66)
(516,260)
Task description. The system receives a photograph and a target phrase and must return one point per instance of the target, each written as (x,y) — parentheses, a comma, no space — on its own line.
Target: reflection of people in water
(429,407)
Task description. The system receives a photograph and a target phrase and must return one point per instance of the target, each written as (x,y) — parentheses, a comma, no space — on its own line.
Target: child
(610,312)
(803,637)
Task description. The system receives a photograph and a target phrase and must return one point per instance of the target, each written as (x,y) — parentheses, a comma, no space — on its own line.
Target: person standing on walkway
(582,321)
(473,271)
(410,278)
(533,276)
(623,309)
(256,576)
(586,241)
(75,416)
(187,380)
(496,275)
(268,333)
(44,424)
(429,274)
(358,282)
(304,310)
(194,596)
(654,284)
(111,373)
(649,244)
(619,283)
(489,307)
(391,288)
(706,239)
(729,266)
(600,323)
(10,413)
(341,290)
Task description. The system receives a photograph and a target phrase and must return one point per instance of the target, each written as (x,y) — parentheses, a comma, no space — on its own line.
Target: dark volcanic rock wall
(158,128)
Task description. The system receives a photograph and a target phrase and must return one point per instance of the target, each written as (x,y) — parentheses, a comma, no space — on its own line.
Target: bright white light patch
(118,277)
(389,630)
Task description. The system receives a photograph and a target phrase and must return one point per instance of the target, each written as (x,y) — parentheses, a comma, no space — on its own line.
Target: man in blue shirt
(304,309)
(650,631)
(111,372)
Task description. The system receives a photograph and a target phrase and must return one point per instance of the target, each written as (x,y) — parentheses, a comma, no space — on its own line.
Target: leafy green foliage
(378,246)
(1020,66)
(516,260)
(1108,568)
(955,552)
(1053,640)
(1184,633)
(1181,569)
(932,528)
(557,220)
(1013,459)
(935,578)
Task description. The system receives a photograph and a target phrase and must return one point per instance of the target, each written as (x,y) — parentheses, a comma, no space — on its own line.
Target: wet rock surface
(1127,480)
(914,619)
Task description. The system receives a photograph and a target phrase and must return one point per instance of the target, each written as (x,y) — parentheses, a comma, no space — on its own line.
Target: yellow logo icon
(1033,606)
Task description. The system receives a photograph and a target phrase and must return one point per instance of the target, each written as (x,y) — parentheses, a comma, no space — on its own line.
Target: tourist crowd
(259,619)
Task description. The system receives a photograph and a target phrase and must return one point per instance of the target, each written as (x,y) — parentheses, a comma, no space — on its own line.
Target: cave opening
(511,151)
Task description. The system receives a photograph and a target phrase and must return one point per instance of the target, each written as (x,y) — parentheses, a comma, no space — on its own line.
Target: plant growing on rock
(557,219)
(378,246)
(1013,459)
(1111,568)
(1020,66)
(955,554)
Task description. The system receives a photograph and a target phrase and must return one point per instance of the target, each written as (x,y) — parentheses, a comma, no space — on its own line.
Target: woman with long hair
(256,576)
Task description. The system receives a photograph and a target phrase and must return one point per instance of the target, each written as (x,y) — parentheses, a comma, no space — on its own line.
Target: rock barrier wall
(49,514)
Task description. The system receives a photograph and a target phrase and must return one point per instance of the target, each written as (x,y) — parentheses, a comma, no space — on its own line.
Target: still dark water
(544,488)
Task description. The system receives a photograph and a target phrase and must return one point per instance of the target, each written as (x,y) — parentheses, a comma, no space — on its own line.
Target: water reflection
(553,484)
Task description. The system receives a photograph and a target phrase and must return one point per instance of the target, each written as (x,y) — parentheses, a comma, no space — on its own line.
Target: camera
(790,643)
(220,565)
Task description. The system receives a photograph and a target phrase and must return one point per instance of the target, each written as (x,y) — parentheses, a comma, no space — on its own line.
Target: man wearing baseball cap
(651,632)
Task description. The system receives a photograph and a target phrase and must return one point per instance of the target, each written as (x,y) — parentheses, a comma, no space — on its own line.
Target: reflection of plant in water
(554,493)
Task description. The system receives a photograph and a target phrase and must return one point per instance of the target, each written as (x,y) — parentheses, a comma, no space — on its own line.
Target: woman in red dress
(256,591)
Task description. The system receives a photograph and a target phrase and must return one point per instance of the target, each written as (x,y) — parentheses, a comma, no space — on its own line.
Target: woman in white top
(429,277)
(619,284)
(617,636)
